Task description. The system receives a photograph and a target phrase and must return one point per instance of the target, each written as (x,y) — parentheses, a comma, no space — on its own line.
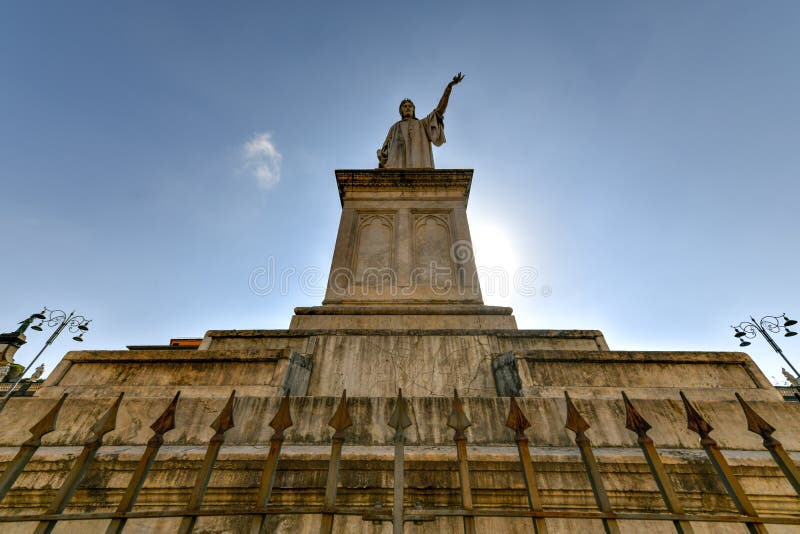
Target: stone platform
(371,365)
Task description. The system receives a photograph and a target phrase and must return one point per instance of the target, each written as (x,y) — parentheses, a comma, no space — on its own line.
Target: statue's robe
(408,144)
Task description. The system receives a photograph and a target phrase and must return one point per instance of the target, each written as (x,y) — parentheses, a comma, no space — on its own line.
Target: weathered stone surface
(377,363)
(403,239)
(162,372)
(9,343)
(303,340)
(298,373)
(506,375)
(406,317)
(654,374)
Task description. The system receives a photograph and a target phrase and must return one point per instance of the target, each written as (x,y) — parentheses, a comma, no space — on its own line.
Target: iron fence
(261,508)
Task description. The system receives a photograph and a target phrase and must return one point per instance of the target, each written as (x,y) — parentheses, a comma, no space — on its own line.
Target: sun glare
(493,245)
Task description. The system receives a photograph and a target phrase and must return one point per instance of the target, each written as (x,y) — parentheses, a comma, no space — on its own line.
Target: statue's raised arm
(408,143)
(440,109)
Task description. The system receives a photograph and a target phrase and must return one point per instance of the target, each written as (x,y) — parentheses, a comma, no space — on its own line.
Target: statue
(23,325)
(408,143)
(792,379)
(37,374)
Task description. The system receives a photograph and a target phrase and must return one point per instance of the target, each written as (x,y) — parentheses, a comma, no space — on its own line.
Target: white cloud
(262,160)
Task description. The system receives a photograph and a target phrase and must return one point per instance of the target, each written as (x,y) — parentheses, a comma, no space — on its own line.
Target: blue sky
(641,157)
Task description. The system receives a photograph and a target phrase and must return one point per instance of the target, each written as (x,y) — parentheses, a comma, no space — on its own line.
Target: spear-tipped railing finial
(166,421)
(575,420)
(755,423)
(282,419)
(108,421)
(519,423)
(224,420)
(399,420)
(697,424)
(694,421)
(44,426)
(341,417)
(516,419)
(339,422)
(458,420)
(47,423)
(579,425)
(221,425)
(162,425)
(634,420)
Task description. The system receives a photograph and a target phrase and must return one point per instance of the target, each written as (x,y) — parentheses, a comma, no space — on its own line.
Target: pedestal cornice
(377,180)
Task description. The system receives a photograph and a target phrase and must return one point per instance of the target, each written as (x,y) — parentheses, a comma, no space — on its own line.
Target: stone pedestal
(403,255)
(9,343)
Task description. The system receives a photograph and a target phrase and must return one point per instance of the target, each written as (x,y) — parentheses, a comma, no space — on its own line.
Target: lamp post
(77,324)
(767,324)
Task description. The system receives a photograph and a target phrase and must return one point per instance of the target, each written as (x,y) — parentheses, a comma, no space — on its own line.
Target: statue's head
(407,109)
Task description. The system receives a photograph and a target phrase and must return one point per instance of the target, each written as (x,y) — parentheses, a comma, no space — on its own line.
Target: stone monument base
(405,317)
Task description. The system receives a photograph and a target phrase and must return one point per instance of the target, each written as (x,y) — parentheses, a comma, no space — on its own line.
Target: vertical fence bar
(106,424)
(221,424)
(636,423)
(161,426)
(339,422)
(579,426)
(46,425)
(518,423)
(399,421)
(459,422)
(759,426)
(698,425)
(280,422)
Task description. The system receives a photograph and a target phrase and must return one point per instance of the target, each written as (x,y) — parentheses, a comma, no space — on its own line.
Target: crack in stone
(445,363)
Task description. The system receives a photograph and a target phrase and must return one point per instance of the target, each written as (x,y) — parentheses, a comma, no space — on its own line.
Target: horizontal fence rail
(399,514)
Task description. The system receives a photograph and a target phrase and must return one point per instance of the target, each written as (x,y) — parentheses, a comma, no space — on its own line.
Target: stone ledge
(405,322)
(373,180)
(416,317)
(571,334)
(188,391)
(173,356)
(398,309)
(717,368)
(439,453)
(589,356)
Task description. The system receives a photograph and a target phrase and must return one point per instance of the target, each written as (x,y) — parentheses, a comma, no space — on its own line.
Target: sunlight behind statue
(408,144)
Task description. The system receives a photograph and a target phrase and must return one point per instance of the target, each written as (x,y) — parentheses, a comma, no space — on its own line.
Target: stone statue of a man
(408,144)
(790,377)
(37,374)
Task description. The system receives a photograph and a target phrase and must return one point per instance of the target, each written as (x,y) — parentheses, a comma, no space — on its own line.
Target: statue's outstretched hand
(440,109)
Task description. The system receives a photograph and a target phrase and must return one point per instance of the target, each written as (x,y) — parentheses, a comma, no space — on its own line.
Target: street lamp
(76,324)
(767,324)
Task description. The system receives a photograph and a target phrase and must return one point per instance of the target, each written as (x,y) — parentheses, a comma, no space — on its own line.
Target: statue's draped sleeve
(434,127)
